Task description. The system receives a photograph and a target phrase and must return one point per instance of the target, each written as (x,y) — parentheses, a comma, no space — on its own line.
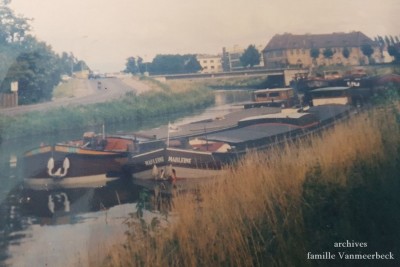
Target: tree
(80,66)
(250,57)
(131,66)
(346,53)
(12,28)
(167,64)
(392,40)
(394,51)
(314,53)
(192,65)
(387,41)
(226,64)
(381,41)
(328,53)
(367,50)
(174,64)
(141,65)
(69,64)
(37,71)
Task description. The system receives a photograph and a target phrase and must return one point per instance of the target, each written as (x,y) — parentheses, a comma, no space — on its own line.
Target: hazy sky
(105,33)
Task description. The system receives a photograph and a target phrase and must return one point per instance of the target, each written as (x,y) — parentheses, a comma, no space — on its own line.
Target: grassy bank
(70,88)
(223,83)
(132,108)
(273,208)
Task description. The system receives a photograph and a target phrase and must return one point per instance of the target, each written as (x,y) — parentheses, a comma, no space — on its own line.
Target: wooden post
(14,90)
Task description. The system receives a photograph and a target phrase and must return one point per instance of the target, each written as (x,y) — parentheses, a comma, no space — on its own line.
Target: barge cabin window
(331,95)
(270,95)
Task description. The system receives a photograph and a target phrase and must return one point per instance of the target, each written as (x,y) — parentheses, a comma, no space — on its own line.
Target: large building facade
(210,63)
(288,50)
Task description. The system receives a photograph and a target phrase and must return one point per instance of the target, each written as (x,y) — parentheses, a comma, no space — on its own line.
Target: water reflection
(25,209)
(48,205)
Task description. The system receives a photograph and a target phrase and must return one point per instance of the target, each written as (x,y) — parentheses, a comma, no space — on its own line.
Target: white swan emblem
(61,172)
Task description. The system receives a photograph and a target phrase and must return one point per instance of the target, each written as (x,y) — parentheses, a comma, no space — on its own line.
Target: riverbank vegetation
(132,108)
(252,82)
(274,207)
(243,82)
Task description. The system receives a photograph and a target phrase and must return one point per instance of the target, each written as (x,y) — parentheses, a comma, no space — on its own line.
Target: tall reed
(275,206)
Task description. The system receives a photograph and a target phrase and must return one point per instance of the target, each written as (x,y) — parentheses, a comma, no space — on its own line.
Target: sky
(105,33)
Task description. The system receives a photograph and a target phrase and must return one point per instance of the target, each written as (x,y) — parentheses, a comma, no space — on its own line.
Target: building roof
(307,41)
(206,56)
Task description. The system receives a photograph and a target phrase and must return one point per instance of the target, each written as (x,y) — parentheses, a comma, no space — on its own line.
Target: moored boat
(94,158)
(260,132)
(208,154)
(180,162)
(276,97)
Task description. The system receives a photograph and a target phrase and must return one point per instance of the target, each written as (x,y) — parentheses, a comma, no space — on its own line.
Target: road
(89,92)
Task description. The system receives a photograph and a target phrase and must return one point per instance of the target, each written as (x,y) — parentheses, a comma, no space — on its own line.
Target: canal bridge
(285,75)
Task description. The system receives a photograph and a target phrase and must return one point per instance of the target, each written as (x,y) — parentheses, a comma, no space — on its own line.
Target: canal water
(73,226)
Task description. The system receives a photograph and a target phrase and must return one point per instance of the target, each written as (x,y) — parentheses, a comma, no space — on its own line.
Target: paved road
(89,92)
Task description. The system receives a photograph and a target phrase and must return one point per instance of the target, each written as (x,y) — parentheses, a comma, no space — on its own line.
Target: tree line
(163,64)
(182,64)
(328,53)
(33,64)
(392,44)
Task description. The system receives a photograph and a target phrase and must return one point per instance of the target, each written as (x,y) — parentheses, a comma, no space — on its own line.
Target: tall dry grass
(274,206)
